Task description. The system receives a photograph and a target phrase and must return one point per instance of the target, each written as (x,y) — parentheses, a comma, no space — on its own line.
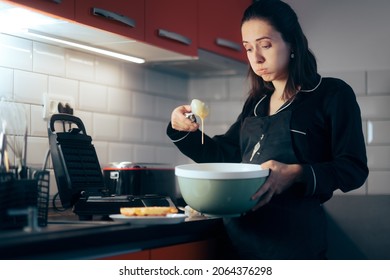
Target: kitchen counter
(358,228)
(67,238)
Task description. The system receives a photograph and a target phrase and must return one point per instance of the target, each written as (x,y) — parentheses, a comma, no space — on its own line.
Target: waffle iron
(78,174)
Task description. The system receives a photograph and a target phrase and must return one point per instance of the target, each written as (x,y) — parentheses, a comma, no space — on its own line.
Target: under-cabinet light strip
(88,48)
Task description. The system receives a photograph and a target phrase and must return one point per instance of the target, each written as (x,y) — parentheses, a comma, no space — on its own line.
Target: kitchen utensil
(150,220)
(14,119)
(2,150)
(220,189)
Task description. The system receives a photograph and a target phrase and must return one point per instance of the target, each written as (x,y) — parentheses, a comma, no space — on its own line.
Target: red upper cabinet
(172,25)
(220,27)
(125,17)
(61,8)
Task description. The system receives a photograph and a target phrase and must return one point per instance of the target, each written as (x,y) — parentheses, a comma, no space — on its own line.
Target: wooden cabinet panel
(125,17)
(199,250)
(61,8)
(179,26)
(140,255)
(172,25)
(220,27)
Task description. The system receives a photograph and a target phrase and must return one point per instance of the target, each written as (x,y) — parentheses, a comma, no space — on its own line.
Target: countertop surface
(358,228)
(65,237)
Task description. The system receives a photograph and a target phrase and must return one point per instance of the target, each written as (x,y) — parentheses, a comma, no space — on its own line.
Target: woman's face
(267,52)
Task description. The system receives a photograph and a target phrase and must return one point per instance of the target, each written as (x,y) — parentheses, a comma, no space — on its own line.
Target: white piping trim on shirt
(297,131)
(315,180)
(254,110)
(285,106)
(174,141)
(282,108)
(310,90)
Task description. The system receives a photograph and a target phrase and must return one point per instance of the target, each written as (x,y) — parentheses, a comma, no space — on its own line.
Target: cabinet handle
(114,16)
(228,44)
(56,1)
(174,36)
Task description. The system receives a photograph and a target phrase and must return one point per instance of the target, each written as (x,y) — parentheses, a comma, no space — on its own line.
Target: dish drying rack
(24,203)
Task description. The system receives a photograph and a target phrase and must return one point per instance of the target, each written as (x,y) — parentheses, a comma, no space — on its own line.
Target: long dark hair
(303,67)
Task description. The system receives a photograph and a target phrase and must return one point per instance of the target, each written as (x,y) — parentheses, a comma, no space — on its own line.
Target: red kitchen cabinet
(219,26)
(61,8)
(172,25)
(125,17)
(140,255)
(198,250)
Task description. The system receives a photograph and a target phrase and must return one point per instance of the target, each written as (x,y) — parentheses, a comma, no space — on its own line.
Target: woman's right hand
(179,120)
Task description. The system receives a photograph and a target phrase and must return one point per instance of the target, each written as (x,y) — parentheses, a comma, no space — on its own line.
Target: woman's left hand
(281,177)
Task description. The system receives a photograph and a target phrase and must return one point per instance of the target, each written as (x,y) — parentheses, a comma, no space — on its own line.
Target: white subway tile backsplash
(133,77)
(209,89)
(378,183)
(118,152)
(365,131)
(182,159)
(378,82)
(80,66)
(143,105)
(378,132)
(36,150)
(7,83)
(29,87)
(15,52)
(144,153)
(53,185)
(48,59)
(154,132)
(119,101)
(378,157)
(93,97)
(101,152)
(356,79)
(238,88)
(374,107)
(108,71)
(38,126)
(65,87)
(156,82)
(177,87)
(164,108)
(166,155)
(105,127)
(130,130)
(224,112)
(87,119)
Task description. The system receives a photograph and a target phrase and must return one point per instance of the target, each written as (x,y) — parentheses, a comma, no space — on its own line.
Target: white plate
(150,220)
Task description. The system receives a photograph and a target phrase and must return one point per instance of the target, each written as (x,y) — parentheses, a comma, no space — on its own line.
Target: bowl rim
(187,171)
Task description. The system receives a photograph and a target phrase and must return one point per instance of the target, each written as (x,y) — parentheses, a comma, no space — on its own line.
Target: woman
(305,128)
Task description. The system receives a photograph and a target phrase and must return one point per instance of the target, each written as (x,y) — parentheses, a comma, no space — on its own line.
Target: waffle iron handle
(68,119)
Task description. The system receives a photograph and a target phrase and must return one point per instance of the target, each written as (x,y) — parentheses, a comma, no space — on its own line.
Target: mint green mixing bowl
(220,189)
